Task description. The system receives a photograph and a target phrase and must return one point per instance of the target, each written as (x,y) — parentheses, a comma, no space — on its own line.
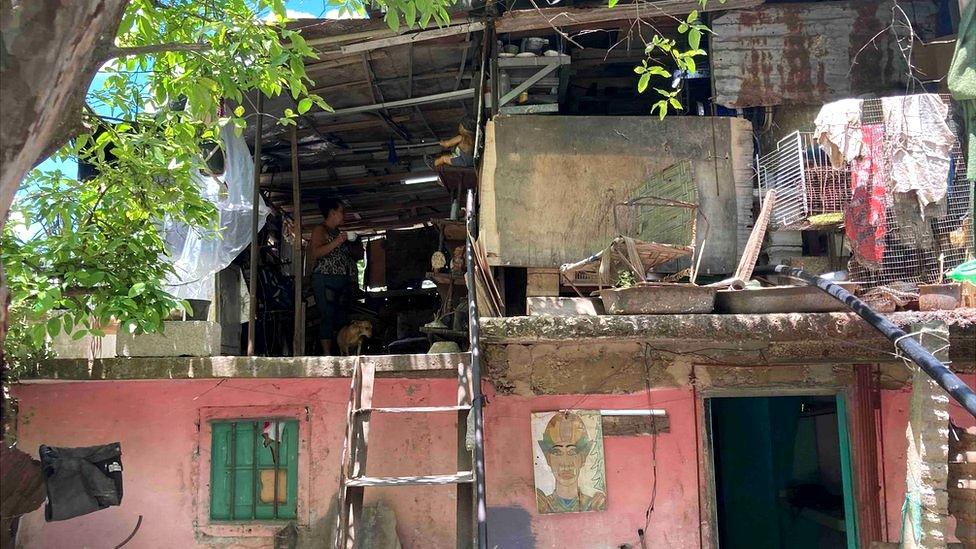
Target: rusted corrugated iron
(802,54)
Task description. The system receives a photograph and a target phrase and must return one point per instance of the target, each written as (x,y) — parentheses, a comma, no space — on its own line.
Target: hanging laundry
(918,143)
(865,219)
(962,79)
(81,480)
(839,131)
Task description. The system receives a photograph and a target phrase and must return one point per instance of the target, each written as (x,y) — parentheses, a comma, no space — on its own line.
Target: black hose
(910,347)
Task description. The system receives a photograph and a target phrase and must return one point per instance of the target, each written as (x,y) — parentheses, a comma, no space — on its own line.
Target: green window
(254,470)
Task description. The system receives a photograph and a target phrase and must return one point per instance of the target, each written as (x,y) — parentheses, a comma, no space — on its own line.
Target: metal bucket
(659,299)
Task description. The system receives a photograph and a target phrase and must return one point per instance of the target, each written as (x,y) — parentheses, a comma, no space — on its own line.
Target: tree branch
(115,52)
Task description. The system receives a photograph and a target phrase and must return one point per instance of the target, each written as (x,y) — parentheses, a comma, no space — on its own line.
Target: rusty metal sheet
(804,54)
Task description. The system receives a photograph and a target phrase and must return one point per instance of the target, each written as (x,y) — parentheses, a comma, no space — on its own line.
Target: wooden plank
(424,480)
(542,282)
(412,38)
(527,20)
(630,426)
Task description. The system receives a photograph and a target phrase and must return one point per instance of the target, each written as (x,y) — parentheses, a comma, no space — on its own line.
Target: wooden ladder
(353,479)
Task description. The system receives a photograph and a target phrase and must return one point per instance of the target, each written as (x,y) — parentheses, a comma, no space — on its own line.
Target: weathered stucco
(156,423)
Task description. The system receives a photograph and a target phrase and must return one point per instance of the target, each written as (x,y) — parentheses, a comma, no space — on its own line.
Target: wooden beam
(298,339)
(435,98)
(252,310)
(412,38)
(526,20)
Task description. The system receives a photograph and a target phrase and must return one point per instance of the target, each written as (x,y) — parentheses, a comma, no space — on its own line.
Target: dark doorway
(782,472)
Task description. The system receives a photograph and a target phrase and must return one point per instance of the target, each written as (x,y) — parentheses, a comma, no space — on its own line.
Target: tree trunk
(49,53)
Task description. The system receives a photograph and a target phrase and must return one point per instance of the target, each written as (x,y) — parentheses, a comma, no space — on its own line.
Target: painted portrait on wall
(569,472)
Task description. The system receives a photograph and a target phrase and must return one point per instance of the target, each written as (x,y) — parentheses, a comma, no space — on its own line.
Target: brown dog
(350,338)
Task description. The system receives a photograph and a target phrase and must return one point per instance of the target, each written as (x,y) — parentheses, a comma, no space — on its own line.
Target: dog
(350,337)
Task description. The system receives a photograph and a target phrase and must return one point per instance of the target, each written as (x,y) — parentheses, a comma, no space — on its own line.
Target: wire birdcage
(921,250)
(810,194)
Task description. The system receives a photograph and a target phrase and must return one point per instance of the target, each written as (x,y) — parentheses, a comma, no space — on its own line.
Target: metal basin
(658,299)
(780,299)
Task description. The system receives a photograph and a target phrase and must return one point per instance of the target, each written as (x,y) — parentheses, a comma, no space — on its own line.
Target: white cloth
(918,144)
(839,130)
(196,256)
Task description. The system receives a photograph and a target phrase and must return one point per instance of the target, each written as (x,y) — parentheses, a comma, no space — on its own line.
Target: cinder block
(65,347)
(189,338)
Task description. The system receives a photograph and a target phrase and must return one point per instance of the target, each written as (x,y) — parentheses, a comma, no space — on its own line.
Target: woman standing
(331,282)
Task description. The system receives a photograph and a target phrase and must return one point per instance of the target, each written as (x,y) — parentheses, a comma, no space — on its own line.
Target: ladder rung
(414,409)
(457,478)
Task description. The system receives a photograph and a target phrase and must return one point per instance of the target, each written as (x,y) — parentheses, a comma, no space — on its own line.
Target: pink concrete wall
(155,421)
(894,445)
(511,496)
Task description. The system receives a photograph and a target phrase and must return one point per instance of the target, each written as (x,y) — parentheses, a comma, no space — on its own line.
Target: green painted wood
(238,456)
(846,470)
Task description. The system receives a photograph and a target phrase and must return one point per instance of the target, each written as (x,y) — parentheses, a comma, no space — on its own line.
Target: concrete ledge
(731,339)
(440,365)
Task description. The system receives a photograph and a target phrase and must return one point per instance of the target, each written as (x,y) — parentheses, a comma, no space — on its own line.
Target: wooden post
(252,310)
(297,261)
(864,439)
(926,497)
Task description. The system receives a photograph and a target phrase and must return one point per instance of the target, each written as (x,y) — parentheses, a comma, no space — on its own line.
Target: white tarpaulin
(198,254)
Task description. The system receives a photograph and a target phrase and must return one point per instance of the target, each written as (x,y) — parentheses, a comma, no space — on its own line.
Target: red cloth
(865,221)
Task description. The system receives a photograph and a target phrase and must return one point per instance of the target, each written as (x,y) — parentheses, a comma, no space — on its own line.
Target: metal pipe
(932,366)
(477,400)
(252,309)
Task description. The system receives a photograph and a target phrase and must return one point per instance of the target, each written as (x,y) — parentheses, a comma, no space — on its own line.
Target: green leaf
(239,111)
(137,289)
(392,20)
(54,326)
(38,334)
(693,16)
(612,3)
(683,28)
(675,103)
(694,38)
(690,65)
(304,105)
(643,82)
(410,13)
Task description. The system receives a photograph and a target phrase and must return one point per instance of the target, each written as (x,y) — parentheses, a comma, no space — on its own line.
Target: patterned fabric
(865,221)
(338,262)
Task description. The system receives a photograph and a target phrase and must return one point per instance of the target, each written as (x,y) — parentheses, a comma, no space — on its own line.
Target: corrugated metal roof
(802,53)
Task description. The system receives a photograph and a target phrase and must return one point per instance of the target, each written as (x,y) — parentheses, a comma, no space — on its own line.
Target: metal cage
(810,194)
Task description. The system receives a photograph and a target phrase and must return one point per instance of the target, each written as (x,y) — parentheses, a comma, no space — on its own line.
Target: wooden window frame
(248,528)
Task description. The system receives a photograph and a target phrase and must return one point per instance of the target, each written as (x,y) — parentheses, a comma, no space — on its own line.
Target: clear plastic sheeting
(196,253)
